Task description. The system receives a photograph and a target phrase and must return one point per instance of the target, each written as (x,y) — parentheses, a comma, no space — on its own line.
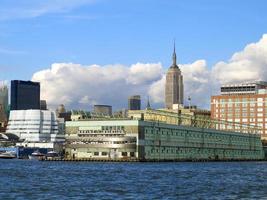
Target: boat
(52,155)
(8,155)
(36,155)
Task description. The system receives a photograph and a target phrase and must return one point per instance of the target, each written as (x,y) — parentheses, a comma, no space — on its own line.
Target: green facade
(170,142)
(164,142)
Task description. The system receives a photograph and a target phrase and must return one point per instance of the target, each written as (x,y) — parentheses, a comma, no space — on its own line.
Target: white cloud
(249,64)
(143,73)
(13,9)
(79,86)
(156,90)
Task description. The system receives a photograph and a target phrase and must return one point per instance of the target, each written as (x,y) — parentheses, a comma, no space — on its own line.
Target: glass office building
(25,95)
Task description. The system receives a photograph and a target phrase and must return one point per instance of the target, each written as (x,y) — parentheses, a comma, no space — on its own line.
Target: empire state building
(174,87)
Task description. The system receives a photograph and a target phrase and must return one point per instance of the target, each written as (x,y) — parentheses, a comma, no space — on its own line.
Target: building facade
(35,127)
(104,110)
(25,95)
(3,107)
(134,102)
(244,104)
(174,88)
(4,99)
(156,141)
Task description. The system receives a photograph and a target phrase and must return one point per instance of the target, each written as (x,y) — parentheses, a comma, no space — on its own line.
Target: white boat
(36,155)
(52,155)
(8,155)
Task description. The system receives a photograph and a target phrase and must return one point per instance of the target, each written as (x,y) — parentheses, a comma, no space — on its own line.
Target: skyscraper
(25,95)
(134,102)
(3,102)
(174,87)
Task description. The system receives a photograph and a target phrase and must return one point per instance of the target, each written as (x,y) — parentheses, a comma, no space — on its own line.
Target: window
(260,99)
(132,154)
(124,153)
(259,115)
(96,153)
(104,153)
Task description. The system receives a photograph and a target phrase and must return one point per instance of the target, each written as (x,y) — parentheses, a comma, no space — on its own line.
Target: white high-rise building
(34,126)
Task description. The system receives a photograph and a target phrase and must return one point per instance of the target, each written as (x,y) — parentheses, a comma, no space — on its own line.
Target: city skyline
(50,41)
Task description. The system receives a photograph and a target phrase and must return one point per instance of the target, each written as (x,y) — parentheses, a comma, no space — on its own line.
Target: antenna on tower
(148,107)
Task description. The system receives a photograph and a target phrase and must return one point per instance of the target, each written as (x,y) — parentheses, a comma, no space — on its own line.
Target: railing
(199,122)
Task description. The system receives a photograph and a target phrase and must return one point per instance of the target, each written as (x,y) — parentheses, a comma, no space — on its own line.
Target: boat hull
(31,157)
(7,157)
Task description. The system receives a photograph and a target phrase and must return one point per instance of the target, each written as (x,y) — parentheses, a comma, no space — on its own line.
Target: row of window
(244,99)
(110,128)
(190,150)
(103,153)
(199,135)
(101,131)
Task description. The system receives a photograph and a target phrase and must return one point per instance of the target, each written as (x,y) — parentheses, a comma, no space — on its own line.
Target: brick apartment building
(244,104)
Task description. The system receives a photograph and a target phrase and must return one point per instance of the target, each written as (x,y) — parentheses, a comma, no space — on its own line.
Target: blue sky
(86,52)
(33,34)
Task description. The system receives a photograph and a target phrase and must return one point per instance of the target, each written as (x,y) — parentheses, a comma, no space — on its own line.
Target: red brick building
(244,104)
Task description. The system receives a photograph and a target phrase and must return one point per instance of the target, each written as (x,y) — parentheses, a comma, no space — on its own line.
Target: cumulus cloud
(79,86)
(249,64)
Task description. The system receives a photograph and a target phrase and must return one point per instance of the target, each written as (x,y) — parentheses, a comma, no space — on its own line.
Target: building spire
(148,107)
(174,55)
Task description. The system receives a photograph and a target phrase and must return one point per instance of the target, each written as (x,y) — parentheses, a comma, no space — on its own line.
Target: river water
(25,179)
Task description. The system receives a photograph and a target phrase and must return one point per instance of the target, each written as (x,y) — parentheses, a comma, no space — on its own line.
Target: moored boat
(8,155)
(36,155)
(52,155)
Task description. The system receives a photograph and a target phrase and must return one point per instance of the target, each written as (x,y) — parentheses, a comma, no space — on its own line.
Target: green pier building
(142,140)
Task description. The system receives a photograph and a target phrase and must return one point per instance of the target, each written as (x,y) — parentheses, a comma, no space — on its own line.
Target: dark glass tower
(25,95)
(134,102)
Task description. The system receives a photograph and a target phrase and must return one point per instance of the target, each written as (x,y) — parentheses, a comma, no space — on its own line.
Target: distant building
(134,102)
(25,95)
(3,107)
(244,103)
(4,98)
(43,105)
(104,110)
(174,88)
(62,113)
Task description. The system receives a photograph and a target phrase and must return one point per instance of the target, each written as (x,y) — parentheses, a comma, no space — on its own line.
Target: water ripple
(24,179)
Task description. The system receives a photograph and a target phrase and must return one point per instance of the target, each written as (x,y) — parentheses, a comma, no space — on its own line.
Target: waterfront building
(174,87)
(156,141)
(244,103)
(134,102)
(25,95)
(104,110)
(35,128)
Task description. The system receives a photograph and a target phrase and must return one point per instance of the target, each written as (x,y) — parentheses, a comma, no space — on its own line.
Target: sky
(87,52)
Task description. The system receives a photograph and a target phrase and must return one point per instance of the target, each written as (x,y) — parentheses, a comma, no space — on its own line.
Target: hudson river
(25,179)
